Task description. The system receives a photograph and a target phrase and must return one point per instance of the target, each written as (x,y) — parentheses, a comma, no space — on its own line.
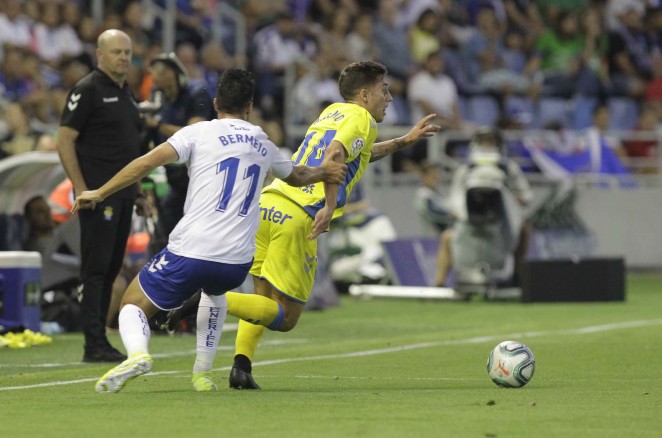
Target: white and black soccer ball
(511,364)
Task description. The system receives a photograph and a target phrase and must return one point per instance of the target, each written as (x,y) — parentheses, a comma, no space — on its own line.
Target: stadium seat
(583,111)
(552,109)
(520,109)
(624,114)
(463,107)
(483,110)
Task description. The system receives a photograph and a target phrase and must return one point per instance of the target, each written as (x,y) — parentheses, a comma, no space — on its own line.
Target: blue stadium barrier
(412,261)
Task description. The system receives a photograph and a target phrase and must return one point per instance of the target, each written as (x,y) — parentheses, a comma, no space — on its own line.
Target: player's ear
(363,95)
(215,105)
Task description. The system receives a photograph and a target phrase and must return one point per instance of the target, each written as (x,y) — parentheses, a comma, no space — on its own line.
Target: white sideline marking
(474,340)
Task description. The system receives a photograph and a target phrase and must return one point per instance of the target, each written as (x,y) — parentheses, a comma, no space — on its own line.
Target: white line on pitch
(474,340)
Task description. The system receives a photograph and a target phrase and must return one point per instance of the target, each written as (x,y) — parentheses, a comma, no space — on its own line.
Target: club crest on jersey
(357,146)
(107,213)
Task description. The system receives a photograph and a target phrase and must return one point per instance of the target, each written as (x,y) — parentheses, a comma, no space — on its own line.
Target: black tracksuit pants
(104,234)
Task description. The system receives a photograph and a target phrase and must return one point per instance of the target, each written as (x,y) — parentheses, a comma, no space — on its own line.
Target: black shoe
(240,379)
(103,354)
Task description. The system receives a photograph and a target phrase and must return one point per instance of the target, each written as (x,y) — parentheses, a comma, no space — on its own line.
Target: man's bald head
(107,36)
(114,54)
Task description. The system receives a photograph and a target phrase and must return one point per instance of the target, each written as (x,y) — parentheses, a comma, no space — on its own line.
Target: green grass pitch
(371,368)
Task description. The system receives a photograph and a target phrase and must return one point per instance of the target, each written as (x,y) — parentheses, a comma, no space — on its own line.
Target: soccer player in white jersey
(212,246)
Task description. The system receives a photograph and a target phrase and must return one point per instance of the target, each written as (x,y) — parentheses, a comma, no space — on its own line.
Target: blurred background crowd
(558,65)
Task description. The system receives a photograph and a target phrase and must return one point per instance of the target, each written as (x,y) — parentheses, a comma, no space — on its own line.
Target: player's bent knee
(286,326)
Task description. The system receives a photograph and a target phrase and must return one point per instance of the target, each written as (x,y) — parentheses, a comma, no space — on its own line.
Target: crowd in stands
(529,63)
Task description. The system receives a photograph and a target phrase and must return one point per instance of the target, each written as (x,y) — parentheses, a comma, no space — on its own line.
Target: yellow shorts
(283,254)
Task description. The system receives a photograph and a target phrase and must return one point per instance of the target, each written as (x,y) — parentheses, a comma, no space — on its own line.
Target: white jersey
(228,160)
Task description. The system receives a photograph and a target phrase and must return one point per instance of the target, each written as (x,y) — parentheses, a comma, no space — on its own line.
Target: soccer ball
(511,364)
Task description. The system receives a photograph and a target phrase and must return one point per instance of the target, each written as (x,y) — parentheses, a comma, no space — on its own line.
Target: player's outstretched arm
(130,174)
(420,130)
(332,170)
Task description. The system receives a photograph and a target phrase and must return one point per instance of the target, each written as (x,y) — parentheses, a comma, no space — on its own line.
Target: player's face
(115,56)
(378,99)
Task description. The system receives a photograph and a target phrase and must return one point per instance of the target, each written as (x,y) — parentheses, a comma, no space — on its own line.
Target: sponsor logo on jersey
(273,215)
(73,101)
(111,99)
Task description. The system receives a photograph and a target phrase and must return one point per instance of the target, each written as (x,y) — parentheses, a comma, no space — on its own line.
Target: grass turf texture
(371,368)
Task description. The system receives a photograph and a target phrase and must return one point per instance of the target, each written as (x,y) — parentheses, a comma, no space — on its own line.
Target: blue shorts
(168,279)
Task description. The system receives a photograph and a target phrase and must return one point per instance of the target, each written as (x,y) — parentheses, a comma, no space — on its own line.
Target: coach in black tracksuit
(98,135)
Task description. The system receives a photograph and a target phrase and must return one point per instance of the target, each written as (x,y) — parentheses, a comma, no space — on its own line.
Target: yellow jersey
(354,127)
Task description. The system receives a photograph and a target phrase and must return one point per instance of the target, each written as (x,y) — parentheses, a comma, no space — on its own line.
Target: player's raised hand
(86,200)
(422,129)
(334,167)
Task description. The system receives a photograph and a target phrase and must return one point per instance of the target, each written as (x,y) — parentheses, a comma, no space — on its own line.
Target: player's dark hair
(235,90)
(358,75)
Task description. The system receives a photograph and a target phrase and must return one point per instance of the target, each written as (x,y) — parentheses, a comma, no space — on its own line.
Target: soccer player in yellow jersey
(292,218)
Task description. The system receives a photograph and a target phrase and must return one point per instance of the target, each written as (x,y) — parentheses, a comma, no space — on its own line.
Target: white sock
(211,316)
(134,329)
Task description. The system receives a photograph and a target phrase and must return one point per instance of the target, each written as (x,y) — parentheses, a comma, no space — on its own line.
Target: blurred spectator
(37,216)
(187,54)
(423,36)
(653,92)
(550,9)
(319,9)
(276,47)
(88,33)
(431,91)
(314,89)
(214,60)
(182,103)
(645,151)
(653,26)
(485,59)
(598,132)
(21,137)
(14,86)
(524,19)
(132,25)
(429,201)
(629,59)
(53,38)
(72,13)
(14,26)
(393,44)
(193,21)
(559,49)
(332,40)
(360,42)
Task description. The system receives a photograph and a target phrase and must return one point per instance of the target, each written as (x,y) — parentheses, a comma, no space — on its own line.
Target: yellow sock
(255,309)
(248,336)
